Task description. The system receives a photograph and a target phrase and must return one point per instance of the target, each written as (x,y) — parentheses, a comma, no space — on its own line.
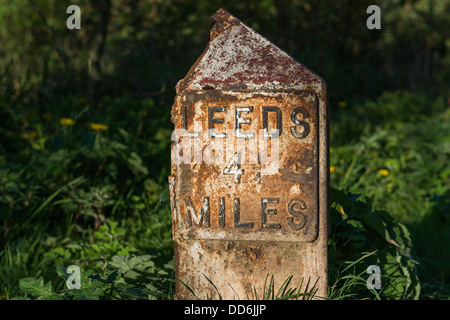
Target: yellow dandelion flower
(66,122)
(332,168)
(98,127)
(383,172)
(30,135)
(342,104)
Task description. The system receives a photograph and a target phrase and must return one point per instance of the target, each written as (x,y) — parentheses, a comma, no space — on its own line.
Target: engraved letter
(240,120)
(212,120)
(237,216)
(304,112)
(265,212)
(277,132)
(222,212)
(192,216)
(300,205)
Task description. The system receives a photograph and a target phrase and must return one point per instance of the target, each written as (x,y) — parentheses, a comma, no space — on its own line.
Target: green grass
(70,195)
(396,151)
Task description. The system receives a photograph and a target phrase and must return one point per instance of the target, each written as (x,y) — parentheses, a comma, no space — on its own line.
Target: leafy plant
(135,278)
(357,227)
(38,289)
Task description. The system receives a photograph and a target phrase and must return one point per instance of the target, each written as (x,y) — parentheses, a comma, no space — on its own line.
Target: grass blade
(187,287)
(220,296)
(53,196)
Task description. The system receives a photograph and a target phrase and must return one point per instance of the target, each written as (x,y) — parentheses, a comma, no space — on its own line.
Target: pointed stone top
(238,58)
(223,21)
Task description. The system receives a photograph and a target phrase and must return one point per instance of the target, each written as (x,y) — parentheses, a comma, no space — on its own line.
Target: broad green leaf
(37,288)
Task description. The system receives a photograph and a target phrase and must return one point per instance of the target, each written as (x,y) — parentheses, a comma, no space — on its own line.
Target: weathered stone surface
(249,183)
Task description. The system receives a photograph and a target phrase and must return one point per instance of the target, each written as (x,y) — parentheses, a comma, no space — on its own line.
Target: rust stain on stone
(239,58)
(249,182)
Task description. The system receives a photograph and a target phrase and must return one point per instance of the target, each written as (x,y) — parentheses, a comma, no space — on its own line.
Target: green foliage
(38,289)
(133,280)
(83,196)
(395,150)
(356,227)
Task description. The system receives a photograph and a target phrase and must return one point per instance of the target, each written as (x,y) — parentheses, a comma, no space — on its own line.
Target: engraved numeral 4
(232,168)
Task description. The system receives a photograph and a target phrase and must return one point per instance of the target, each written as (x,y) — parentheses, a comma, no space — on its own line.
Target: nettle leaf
(134,268)
(120,262)
(126,263)
(141,262)
(38,288)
